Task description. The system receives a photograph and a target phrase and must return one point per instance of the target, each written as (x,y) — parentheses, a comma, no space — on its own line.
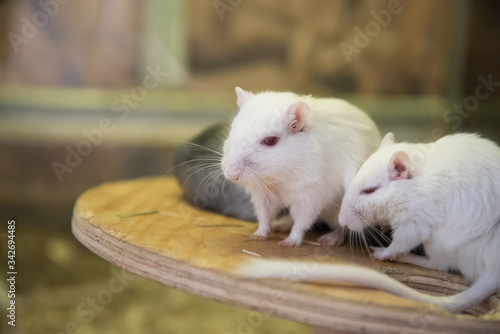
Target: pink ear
(242,95)
(295,116)
(399,166)
(388,139)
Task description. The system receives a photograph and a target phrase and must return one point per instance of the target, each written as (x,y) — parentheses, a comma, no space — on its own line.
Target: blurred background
(135,77)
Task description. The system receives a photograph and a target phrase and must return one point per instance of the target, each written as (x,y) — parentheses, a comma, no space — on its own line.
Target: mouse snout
(234,170)
(232,174)
(350,218)
(342,218)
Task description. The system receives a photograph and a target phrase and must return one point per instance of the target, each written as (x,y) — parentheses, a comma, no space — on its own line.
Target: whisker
(200,166)
(205,182)
(199,146)
(196,171)
(196,159)
(382,235)
(351,243)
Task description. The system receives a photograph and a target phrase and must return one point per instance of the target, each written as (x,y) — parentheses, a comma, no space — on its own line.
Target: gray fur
(206,188)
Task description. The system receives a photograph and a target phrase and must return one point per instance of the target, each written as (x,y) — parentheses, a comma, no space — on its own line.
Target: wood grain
(144,226)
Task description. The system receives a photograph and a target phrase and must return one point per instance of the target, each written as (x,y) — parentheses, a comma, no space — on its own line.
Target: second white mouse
(444,195)
(297,152)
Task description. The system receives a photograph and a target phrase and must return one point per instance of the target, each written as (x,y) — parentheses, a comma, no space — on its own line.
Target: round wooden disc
(145,226)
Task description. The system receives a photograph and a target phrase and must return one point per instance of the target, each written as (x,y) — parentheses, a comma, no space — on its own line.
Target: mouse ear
(399,166)
(242,95)
(295,116)
(388,139)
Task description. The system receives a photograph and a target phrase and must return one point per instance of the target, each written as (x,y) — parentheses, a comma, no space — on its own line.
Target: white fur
(450,204)
(308,169)
(447,197)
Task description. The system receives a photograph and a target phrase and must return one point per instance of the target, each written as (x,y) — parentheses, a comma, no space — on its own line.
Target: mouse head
(378,190)
(266,137)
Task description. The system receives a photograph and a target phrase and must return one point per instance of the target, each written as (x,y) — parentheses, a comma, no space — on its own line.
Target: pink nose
(233,173)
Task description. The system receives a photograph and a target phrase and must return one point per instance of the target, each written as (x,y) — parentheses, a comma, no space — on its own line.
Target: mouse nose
(232,174)
(236,169)
(343,218)
(352,222)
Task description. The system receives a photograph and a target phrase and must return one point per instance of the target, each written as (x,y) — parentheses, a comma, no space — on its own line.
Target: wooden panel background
(285,44)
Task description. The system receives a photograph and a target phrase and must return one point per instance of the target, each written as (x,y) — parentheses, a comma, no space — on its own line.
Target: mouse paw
(260,235)
(289,243)
(331,239)
(383,254)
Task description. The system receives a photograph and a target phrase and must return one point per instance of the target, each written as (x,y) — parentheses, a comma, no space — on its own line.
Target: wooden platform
(145,226)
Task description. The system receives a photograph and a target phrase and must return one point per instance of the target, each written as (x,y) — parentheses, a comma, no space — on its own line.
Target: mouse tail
(311,271)
(481,289)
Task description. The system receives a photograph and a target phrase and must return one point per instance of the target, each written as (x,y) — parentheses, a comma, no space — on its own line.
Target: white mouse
(445,195)
(297,152)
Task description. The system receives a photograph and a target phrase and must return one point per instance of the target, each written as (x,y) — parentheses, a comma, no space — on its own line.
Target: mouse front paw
(383,254)
(332,239)
(260,235)
(288,242)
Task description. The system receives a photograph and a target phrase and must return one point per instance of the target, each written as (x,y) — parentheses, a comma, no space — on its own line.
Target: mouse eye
(369,190)
(270,141)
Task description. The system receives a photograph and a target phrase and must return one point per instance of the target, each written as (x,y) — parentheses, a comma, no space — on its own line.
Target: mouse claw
(289,243)
(382,254)
(259,237)
(331,239)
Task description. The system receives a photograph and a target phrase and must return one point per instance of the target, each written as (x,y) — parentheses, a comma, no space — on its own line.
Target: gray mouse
(196,162)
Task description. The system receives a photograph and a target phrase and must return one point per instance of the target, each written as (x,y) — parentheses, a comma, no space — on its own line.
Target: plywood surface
(145,226)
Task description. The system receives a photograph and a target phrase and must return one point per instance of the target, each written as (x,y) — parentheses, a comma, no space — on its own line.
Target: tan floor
(64,287)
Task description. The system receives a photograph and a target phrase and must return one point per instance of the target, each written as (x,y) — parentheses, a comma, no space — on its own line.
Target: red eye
(369,190)
(270,141)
